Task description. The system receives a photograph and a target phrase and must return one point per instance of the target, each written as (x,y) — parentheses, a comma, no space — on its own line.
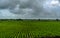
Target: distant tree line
(29,19)
(48,20)
(10,19)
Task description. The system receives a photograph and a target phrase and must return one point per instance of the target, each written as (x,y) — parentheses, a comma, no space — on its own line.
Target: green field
(25,29)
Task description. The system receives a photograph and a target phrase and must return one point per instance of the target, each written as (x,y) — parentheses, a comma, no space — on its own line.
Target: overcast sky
(27,9)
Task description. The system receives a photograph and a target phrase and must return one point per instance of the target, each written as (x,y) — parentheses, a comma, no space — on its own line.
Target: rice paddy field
(29,29)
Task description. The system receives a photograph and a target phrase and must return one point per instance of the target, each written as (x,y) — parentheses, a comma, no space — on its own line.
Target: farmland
(28,28)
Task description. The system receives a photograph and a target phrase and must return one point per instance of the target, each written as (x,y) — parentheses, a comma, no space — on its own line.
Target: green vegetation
(26,29)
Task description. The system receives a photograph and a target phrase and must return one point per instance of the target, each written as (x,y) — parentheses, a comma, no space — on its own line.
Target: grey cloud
(8,3)
(23,4)
(36,5)
(59,0)
(28,8)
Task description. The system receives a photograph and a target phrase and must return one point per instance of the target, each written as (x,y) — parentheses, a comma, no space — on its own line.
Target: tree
(57,19)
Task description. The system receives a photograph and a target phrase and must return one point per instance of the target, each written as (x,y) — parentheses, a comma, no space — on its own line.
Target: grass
(26,29)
